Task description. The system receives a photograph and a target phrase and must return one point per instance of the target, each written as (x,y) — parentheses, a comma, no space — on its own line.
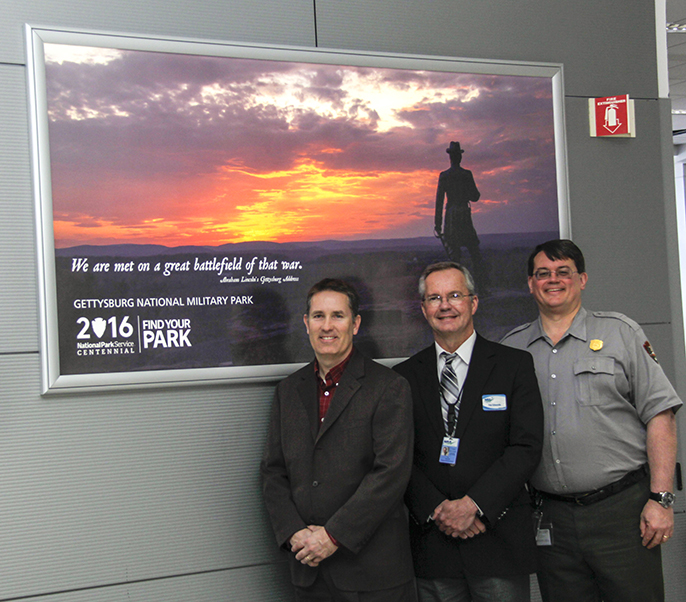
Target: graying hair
(446,265)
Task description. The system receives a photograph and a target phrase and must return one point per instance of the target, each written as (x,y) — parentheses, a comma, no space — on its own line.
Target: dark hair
(445,265)
(557,250)
(337,286)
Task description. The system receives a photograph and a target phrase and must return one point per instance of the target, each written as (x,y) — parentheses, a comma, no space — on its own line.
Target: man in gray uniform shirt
(609,451)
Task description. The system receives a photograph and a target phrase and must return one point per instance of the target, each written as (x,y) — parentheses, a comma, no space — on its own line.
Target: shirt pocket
(594,380)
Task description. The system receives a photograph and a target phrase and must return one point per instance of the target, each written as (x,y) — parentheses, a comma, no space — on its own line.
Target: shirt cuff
(479,511)
(333,539)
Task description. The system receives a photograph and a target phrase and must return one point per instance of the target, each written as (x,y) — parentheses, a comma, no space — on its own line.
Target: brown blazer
(348,475)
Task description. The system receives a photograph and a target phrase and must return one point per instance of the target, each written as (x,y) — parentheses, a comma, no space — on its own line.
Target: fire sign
(612,116)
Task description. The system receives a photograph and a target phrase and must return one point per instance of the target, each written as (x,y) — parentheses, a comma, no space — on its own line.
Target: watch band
(664,498)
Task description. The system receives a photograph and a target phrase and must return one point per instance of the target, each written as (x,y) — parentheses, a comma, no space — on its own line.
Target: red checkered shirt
(327,388)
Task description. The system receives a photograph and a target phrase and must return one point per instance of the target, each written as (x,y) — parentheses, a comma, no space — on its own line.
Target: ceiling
(676,52)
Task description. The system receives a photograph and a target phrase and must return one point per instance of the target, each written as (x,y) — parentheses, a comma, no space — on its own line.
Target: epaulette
(517,329)
(617,316)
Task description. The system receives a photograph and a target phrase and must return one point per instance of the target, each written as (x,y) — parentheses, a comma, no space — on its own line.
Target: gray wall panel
(604,52)
(257,583)
(274,21)
(120,487)
(18,310)
(618,214)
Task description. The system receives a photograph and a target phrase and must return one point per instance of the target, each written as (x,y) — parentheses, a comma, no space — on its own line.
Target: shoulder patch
(649,351)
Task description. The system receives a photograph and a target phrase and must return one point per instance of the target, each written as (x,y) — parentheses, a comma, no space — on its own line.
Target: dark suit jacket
(349,475)
(498,452)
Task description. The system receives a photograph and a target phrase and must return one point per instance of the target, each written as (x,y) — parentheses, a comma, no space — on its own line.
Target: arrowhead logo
(99,325)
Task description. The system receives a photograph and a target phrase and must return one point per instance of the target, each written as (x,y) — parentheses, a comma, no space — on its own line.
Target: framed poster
(189,193)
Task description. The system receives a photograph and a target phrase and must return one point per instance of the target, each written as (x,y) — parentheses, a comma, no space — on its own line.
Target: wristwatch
(664,498)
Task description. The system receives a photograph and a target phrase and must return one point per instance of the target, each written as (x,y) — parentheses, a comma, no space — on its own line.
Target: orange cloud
(308,202)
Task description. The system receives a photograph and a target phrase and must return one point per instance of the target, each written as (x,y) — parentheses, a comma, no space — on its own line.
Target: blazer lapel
(480,368)
(429,390)
(307,392)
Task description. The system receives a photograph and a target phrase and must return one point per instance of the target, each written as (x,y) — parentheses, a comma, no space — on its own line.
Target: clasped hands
(458,518)
(312,545)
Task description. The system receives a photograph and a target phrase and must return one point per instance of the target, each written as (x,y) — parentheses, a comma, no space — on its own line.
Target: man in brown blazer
(337,461)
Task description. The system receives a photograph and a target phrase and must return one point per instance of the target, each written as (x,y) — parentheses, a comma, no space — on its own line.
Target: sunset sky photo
(173,149)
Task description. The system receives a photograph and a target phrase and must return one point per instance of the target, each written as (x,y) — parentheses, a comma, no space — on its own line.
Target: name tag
(494,403)
(449,449)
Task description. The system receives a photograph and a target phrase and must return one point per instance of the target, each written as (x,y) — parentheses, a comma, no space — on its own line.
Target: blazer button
(315,483)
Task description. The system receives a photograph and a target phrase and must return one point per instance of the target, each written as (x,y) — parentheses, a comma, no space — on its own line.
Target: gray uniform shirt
(601,385)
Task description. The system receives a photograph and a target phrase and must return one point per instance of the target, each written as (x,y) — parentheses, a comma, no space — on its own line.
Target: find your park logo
(115,335)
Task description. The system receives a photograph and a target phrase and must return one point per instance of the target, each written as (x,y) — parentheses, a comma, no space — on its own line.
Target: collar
(334,375)
(464,351)
(576,330)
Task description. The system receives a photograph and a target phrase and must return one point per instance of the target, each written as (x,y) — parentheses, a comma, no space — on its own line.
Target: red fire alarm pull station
(612,116)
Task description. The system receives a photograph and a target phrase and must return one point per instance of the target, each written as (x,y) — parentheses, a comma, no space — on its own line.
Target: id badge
(544,534)
(449,450)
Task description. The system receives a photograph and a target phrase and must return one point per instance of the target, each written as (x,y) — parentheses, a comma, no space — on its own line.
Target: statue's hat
(454,148)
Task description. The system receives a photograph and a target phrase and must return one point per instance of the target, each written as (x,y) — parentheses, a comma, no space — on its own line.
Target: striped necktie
(450,391)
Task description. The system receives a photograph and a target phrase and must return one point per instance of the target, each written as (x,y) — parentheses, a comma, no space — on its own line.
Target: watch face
(664,498)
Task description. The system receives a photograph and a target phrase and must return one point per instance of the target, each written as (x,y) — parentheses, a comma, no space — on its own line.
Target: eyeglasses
(563,273)
(452,298)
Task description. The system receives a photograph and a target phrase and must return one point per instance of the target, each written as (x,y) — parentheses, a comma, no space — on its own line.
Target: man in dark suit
(337,461)
(478,437)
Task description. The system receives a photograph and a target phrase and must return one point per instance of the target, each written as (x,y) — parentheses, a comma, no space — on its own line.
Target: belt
(590,497)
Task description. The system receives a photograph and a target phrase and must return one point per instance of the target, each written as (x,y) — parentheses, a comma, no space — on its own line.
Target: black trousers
(597,552)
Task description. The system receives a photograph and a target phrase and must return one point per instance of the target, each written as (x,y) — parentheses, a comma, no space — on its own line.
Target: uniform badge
(596,345)
(649,351)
